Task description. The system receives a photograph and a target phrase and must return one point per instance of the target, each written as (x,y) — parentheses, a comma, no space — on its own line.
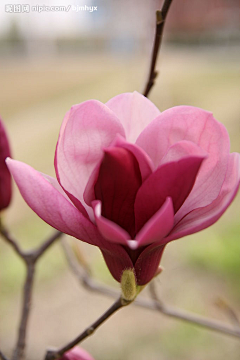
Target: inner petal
(118,182)
(174,179)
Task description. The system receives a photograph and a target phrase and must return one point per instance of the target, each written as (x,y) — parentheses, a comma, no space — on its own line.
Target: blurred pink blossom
(5,177)
(76,354)
(130,179)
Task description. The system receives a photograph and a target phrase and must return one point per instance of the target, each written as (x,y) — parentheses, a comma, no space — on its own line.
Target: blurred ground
(198,269)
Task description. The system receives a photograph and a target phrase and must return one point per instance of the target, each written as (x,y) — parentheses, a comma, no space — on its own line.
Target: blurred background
(51,60)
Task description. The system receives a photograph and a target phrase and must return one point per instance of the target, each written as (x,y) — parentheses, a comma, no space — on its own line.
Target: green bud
(128,285)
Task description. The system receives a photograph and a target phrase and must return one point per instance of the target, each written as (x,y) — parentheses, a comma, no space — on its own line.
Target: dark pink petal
(174,179)
(87,129)
(108,229)
(147,263)
(118,182)
(158,226)
(5,177)
(200,127)
(117,260)
(144,162)
(76,354)
(45,199)
(134,111)
(201,218)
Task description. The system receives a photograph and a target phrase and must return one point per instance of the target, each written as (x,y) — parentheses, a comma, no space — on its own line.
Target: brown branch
(2,357)
(192,318)
(30,259)
(85,279)
(161,16)
(56,354)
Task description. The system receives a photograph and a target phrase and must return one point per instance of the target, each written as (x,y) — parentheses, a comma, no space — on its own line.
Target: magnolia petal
(174,179)
(117,261)
(158,226)
(118,182)
(50,205)
(5,177)
(201,218)
(144,162)
(90,126)
(200,127)
(108,229)
(181,150)
(147,263)
(134,111)
(76,353)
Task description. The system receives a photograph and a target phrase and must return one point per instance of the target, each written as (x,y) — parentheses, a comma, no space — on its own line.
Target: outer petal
(50,205)
(158,226)
(147,263)
(117,260)
(77,354)
(201,218)
(174,179)
(135,112)
(108,229)
(90,127)
(199,126)
(5,177)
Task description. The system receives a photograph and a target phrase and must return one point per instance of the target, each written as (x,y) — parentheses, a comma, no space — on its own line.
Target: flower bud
(128,285)
(76,354)
(5,177)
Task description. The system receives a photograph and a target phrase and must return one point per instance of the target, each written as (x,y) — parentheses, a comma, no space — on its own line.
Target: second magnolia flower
(130,179)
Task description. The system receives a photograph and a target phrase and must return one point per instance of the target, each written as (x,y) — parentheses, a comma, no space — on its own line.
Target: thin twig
(161,16)
(2,357)
(192,318)
(30,259)
(85,279)
(26,304)
(55,354)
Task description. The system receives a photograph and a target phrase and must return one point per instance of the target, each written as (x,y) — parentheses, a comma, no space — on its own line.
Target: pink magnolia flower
(130,179)
(5,177)
(76,354)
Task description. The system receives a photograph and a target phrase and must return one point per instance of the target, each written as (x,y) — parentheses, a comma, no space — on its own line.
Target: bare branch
(52,355)
(161,16)
(30,259)
(85,279)
(2,357)
(192,318)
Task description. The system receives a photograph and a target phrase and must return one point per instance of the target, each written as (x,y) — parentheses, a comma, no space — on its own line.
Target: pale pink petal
(50,205)
(135,112)
(90,127)
(181,150)
(108,229)
(201,218)
(158,226)
(198,126)
(76,354)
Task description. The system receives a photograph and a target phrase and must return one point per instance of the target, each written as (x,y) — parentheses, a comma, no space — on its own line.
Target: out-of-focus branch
(192,318)
(2,357)
(30,259)
(154,304)
(56,354)
(161,16)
